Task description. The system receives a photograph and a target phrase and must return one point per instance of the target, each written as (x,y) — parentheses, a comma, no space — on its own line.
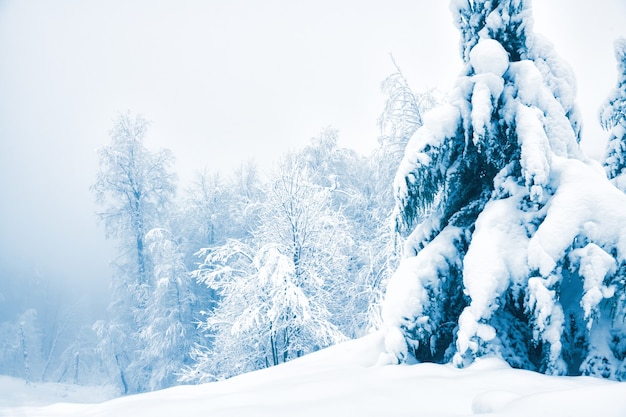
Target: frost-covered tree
(46,325)
(9,345)
(613,119)
(515,245)
(113,349)
(28,337)
(348,179)
(280,295)
(135,186)
(168,331)
(57,322)
(402,115)
(205,215)
(80,362)
(218,207)
(265,317)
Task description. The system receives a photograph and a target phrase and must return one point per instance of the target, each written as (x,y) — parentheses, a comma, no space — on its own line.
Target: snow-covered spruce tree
(516,246)
(613,119)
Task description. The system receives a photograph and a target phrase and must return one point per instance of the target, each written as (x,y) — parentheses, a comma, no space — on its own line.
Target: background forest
(232,273)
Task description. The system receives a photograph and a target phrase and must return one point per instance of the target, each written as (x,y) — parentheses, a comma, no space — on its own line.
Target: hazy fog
(222,82)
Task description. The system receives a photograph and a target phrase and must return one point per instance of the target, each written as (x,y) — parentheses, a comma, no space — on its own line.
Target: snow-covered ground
(16,392)
(341,381)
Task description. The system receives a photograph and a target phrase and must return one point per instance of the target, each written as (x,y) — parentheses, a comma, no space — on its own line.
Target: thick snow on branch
(488,56)
(420,174)
(490,61)
(407,297)
(584,205)
(496,258)
(595,266)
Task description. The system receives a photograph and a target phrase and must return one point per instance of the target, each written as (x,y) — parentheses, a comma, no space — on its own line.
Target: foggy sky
(222,82)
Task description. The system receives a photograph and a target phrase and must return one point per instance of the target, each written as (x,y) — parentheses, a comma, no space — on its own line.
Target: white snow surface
(16,392)
(343,381)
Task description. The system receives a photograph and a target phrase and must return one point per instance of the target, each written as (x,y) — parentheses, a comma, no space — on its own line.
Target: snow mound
(342,381)
(15,392)
(488,56)
(492,401)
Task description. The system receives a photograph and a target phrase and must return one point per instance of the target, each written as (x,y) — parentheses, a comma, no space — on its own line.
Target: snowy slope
(344,381)
(14,391)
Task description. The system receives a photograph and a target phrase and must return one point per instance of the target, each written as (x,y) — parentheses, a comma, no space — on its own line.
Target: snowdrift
(344,381)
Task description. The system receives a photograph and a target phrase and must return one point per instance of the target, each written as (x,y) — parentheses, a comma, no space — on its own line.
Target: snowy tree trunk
(23,344)
(76,368)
